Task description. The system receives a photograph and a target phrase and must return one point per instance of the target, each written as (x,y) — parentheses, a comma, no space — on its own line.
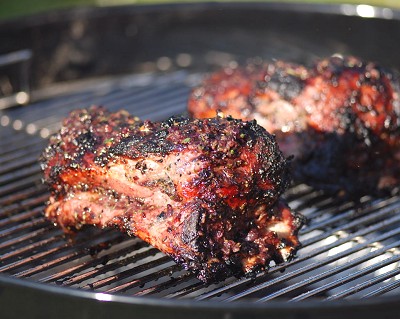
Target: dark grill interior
(350,250)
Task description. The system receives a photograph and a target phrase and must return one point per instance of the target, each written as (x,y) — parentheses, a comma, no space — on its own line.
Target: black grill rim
(63,299)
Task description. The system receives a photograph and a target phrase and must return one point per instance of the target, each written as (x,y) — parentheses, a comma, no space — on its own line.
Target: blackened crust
(205,192)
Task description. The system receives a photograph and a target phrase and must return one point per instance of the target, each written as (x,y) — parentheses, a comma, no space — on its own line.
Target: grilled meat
(205,192)
(340,119)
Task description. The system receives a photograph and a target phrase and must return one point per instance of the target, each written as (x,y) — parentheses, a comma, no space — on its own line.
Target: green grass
(12,8)
(15,8)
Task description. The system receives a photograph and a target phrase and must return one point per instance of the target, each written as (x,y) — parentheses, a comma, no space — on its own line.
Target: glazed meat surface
(205,192)
(340,119)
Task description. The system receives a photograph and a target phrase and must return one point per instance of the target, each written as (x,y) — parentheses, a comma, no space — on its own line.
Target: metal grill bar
(81,268)
(14,199)
(25,238)
(54,262)
(362,286)
(167,285)
(125,274)
(193,288)
(335,270)
(89,274)
(309,268)
(25,226)
(22,205)
(382,290)
(145,279)
(347,247)
(391,207)
(28,260)
(32,247)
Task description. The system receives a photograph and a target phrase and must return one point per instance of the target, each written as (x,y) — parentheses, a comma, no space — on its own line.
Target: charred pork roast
(206,192)
(340,119)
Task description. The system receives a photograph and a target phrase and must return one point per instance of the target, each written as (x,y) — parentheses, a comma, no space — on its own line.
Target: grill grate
(350,250)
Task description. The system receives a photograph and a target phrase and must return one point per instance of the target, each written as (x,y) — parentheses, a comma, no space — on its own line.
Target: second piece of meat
(340,119)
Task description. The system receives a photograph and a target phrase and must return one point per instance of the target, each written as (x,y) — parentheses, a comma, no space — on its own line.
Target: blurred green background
(15,8)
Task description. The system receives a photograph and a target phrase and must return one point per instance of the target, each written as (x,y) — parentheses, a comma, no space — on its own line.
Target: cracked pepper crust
(205,192)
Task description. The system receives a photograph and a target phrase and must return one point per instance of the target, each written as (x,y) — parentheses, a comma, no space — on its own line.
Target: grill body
(145,60)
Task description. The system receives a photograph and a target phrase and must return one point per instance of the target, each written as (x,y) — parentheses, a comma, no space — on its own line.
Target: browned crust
(206,192)
(340,118)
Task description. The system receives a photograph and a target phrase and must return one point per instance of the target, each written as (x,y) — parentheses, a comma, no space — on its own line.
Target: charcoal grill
(145,60)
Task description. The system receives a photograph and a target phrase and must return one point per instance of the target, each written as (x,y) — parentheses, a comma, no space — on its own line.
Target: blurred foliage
(15,8)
